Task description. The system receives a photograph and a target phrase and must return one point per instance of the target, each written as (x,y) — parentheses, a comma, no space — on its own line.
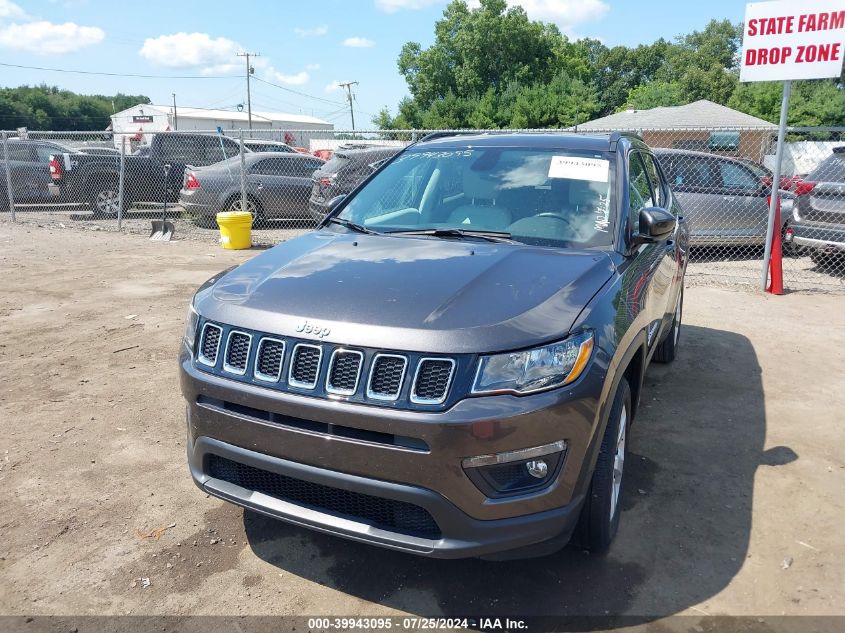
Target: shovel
(163,229)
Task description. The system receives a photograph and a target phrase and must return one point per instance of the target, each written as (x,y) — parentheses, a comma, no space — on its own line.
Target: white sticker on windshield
(578,168)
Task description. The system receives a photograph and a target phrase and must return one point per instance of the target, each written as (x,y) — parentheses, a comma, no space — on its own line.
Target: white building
(140,123)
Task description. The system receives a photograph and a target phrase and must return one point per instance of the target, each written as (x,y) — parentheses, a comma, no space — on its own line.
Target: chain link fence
(287,178)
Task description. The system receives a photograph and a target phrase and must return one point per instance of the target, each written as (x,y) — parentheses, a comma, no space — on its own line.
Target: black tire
(668,347)
(599,520)
(104,200)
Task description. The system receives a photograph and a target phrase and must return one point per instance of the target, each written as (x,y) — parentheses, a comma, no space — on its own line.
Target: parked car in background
(345,171)
(29,169)
(817,225)
(262,145)
(93,179)
(278,185)
(725,200)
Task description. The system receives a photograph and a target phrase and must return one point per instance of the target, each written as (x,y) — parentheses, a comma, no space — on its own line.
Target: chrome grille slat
(236,356)
(269,359)
(305,365)
(432,380)
(344,372)
(209,341)
(387,375)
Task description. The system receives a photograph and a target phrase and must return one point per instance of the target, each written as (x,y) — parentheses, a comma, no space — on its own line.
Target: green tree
(654,94)
(49,108)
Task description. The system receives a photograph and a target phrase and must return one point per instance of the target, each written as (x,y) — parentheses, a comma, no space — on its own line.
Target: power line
(297,92)
(105,74)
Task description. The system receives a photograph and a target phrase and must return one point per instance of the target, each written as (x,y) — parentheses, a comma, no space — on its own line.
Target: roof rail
(443,134)
(616,135)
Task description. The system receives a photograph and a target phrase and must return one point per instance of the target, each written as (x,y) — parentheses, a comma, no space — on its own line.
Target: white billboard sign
(793,39)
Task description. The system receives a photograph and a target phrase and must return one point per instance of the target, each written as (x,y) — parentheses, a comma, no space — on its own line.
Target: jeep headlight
(191,321)
(535,369)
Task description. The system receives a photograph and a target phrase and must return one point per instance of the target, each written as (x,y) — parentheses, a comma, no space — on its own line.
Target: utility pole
(249,71)
(175,116)
(348,85)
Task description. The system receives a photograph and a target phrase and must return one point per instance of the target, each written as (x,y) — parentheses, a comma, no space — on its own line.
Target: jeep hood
(409,293)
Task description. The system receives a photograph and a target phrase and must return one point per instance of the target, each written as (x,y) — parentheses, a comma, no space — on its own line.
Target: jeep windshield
(554,197)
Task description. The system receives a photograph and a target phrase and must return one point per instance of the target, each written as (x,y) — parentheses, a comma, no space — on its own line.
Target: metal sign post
(774,198)
(243,172)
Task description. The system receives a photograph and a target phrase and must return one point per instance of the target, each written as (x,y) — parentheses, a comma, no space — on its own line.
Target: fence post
(8,176)
(243,171)
(120,186)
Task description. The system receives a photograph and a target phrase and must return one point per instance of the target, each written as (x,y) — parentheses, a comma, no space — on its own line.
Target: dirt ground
(733,501)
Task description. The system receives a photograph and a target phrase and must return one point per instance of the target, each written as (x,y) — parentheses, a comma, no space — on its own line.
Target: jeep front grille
(375,376)
(386,377)
(269,359)
(431,384)
(305,365)
(237,352)
(344,369)
(209,344)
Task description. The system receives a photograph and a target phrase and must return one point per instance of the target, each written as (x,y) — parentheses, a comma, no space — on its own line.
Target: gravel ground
(733,501)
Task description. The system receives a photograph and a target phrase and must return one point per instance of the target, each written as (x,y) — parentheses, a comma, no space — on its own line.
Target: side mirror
(655,225)
(336,201)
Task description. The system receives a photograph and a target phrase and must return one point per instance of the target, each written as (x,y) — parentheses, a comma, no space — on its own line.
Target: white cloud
(183,50)
(316,31)
(567,14)
(392,6)
(47,38)
(298,79)
(22,32)
(358,42)
(334,86)
(11,10)
(312,66)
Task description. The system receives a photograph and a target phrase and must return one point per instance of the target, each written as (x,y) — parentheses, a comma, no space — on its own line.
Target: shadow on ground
(696,445)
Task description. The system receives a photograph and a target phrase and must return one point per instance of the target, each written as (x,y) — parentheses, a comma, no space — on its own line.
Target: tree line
(493,67)
(49,108)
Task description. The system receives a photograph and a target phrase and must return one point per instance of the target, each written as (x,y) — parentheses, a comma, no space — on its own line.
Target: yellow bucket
(235,229)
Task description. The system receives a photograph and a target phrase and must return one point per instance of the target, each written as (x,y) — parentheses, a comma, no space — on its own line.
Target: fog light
(537,468)
(514,472)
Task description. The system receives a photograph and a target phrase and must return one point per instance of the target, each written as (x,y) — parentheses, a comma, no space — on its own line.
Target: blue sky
(305,47)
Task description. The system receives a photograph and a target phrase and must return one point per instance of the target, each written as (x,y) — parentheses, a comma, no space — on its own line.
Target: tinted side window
(639,187)
(654,179)
(270,167)
(45,151)
(690,173)
(217,149)
(181,149)
(734,176)
(831,169)
(19,151)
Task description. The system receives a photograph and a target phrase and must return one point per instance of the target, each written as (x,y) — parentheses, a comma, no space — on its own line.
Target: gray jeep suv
(450,364)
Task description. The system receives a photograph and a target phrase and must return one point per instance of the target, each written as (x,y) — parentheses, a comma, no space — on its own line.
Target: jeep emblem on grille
(313,328)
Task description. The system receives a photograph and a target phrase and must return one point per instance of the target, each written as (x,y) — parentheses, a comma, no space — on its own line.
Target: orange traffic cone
(776,260)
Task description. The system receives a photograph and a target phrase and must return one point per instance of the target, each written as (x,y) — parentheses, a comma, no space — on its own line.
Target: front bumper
(470,523)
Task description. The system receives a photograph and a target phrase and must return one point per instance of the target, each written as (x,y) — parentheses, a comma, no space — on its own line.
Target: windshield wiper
(490,236)
(353,226)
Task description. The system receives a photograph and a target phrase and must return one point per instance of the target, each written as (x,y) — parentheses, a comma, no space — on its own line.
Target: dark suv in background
(450,365)
(348,166)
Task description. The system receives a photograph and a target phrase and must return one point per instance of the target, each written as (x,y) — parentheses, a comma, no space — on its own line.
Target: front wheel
(599,519)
